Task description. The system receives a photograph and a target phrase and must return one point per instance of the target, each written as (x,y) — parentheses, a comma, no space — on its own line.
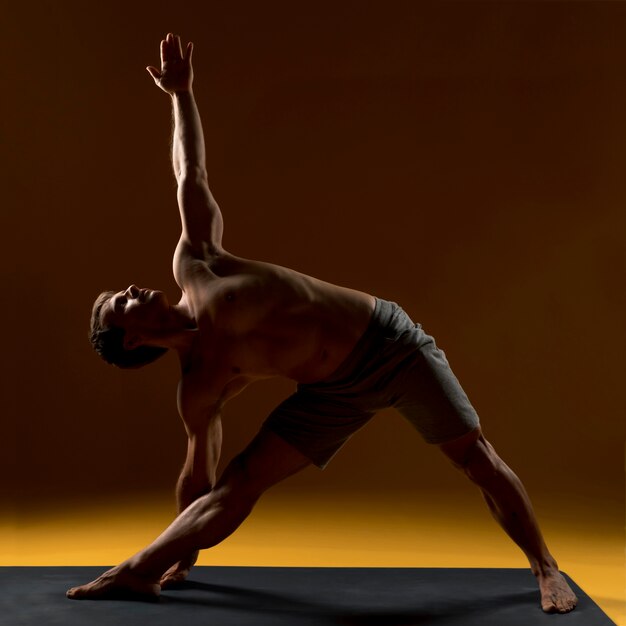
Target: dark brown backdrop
(463,159)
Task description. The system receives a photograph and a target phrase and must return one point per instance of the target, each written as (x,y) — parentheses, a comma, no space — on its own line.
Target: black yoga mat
(293,596)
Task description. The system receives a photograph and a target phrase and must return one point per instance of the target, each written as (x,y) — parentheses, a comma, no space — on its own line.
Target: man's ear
(131,341)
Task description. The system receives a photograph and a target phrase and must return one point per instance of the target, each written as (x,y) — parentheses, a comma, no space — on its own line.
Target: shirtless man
(238,321)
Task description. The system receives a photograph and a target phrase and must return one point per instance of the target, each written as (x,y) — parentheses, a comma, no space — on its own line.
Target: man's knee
(238,481)
(483,465)
(475,456)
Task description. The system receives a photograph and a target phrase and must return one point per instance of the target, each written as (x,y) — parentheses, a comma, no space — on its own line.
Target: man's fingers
(172,50)
(171,46)
(167,48)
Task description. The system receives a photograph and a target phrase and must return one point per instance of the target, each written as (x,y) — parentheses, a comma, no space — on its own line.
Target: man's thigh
(316,424)
(431,398)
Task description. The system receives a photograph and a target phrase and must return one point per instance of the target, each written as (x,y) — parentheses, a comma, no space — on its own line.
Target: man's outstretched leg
(510,506)
(206,522)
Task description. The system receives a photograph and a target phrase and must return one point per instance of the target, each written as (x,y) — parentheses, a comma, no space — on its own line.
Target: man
(240,320)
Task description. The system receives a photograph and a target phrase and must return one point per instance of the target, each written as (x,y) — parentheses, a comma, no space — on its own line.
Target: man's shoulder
(191,265)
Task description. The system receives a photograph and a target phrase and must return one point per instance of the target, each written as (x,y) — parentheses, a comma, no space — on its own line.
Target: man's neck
(177,331)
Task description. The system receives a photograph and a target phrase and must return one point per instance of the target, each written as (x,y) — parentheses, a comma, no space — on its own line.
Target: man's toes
(75,593)
(551,603)
(567,604)
(559,604)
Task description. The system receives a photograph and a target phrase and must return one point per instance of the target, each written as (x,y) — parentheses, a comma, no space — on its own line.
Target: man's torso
(257,320)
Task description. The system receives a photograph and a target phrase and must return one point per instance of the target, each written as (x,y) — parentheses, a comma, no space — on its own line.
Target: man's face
(135,309)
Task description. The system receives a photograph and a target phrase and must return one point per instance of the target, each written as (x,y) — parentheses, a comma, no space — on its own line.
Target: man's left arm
(200,410)
(198,476)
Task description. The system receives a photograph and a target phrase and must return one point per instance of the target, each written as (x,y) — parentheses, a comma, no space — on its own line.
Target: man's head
(124,325)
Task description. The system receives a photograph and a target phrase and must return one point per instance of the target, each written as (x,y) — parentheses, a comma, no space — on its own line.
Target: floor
(344,530)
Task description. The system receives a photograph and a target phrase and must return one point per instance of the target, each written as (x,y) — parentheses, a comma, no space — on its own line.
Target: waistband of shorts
(370,341)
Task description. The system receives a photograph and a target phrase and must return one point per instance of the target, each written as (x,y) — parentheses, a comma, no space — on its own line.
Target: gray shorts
(394,364)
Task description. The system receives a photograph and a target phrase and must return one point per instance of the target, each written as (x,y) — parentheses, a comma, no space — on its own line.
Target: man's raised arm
(201,217)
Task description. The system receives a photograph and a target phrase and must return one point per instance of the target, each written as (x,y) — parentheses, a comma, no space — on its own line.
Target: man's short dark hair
(108,341)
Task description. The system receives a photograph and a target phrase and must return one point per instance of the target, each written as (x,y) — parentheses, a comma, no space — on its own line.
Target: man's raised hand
(176,72)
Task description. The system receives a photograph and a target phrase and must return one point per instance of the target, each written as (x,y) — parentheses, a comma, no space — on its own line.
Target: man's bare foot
(116,583)
(556,595)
